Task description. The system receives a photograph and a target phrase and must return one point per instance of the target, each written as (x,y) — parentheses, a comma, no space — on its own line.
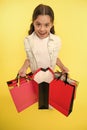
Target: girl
(42,45)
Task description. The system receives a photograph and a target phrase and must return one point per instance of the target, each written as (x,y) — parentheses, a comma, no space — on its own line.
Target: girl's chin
(42,35)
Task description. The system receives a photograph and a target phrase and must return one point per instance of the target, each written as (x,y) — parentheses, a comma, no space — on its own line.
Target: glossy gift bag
(43,95)
(43,77)
(23,92)
(61,95)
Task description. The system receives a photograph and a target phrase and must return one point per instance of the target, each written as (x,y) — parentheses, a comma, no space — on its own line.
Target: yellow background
(71,26)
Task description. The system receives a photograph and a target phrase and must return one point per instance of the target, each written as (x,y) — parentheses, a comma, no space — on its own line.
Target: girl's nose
(42,28)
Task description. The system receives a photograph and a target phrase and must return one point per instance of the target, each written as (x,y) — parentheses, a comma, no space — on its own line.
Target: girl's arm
(22,71)
(61,66)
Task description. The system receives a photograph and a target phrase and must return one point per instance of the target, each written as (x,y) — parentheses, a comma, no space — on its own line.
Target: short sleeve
(26,44)
(59,44)
(27,48)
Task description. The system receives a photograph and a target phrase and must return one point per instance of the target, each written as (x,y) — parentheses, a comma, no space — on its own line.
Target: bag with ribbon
(62,93)
(24,91)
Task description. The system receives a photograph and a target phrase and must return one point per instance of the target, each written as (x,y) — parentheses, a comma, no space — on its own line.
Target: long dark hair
(42,10)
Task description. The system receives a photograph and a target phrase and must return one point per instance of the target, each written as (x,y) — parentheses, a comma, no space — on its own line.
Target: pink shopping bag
(23,92)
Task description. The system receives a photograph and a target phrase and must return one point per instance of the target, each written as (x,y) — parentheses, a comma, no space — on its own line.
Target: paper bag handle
(27,78)
(64,77)
(61,75)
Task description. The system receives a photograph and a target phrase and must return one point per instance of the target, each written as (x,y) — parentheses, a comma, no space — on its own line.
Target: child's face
(42,26)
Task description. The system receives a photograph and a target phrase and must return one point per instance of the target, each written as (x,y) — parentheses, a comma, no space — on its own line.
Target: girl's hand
(61,66)
(64,69)
(22,72)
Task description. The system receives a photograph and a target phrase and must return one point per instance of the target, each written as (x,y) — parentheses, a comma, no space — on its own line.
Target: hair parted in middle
(42,10)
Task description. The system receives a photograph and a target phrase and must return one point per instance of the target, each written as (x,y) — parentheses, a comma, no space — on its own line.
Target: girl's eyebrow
(37,22)
(47,23)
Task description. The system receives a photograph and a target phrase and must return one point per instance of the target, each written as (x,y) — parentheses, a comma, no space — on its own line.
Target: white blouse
(42,53)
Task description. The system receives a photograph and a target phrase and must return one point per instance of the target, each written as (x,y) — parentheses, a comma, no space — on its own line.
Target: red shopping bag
(24,94)
(61,95)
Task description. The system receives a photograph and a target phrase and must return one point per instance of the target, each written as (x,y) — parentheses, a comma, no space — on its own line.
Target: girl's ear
(51,24)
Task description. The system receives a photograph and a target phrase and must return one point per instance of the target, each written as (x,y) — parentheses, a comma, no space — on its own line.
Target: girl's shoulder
(29,39)
(55,37)
(30,36)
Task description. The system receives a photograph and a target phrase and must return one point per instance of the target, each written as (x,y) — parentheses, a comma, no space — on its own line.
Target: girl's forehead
(43,18)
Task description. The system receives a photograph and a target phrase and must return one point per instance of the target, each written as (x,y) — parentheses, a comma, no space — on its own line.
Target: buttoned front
(37,49)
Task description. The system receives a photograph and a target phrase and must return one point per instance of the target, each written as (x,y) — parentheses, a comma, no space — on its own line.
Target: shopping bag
(43,77)
(23,91)
(43,95)
(61,94)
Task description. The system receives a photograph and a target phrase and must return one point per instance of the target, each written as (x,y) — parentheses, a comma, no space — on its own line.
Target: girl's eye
(46,25)
(38,24)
